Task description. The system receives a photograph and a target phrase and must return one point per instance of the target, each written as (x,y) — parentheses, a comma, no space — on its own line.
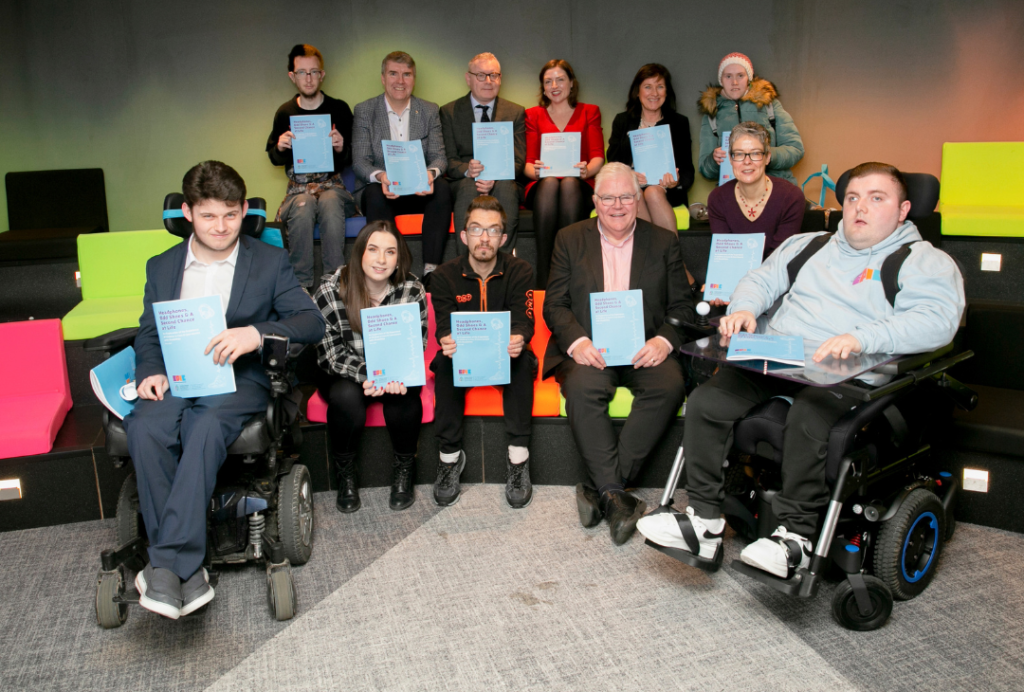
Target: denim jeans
(300,213)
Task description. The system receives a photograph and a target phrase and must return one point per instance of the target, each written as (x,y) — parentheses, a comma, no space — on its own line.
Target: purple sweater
(781,217)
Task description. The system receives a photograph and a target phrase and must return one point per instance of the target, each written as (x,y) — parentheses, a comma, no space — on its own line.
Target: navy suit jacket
(264,294)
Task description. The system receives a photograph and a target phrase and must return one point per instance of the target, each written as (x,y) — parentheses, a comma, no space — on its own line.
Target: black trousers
(346,415)
(436,210)
(516,399)
(658,393)
(556,203)
(713,409)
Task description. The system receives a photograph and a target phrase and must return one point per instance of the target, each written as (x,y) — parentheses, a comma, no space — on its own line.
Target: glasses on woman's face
(755,156)
(609,200)
(477,231)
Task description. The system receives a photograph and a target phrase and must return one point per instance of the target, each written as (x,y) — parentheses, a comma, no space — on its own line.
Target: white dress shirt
(478,112)
(202,279)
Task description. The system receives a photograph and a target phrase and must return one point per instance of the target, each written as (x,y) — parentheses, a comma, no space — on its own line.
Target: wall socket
(10,489)
(991,262)
(976,480)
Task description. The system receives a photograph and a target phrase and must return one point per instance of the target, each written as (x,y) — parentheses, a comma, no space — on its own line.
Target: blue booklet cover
(788,350)
(406,167)
(186,328)
(652,153)
(113,382)
(617,321)
(311,143)
(732,256)
(725,168)
(494,148)
(481,353)
(560,151)
(393,344)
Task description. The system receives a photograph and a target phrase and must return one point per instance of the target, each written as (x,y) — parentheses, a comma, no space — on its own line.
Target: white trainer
(667,529)
(781,555)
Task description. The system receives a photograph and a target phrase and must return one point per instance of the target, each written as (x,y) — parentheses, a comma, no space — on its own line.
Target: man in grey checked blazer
(466,175)
(398,115)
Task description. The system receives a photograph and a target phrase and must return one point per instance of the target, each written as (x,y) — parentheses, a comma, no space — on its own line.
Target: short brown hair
(487,203)
(304,50)
(399,57)
(574,90)
(754,130)
(212,180)
(873,167)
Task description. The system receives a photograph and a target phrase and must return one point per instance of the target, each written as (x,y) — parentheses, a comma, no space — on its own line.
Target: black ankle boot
(402,476)
(348,482)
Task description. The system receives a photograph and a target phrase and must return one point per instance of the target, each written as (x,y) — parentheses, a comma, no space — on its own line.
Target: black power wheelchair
(890,509)
(262,507)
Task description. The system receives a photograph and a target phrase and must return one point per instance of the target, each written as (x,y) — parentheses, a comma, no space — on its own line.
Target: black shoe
(446,486)
(588,506)
(402,472)
(159,591)
(622,511)
(518,489)
(348,483)
(195,592)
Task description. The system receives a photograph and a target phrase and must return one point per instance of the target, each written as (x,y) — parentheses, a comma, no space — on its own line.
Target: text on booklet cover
(113,382)
(312,149)
(185,328)
(405,166)
(393,344)
(560,152)
(617,322)
(493,147)
(725,168)
(652,153)
(732,256)
(481,348)
(774,347)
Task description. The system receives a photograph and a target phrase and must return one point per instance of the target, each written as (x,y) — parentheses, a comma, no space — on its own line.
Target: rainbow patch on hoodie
(868,275)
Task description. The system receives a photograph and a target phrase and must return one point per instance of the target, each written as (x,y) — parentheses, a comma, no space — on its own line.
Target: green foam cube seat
(980,193)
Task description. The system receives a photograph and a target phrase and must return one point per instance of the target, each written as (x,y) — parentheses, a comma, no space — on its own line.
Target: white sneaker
(666,529)
(781,555)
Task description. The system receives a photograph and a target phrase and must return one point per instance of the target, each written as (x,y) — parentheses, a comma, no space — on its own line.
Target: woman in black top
(651,102)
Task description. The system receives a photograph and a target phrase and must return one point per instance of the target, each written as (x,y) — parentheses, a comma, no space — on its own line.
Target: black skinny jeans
(346,415)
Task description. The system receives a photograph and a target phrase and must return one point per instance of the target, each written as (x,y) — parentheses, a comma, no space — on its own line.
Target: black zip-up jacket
(454,286)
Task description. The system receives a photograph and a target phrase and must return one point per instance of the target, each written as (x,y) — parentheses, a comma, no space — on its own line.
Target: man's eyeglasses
(626,200)
(740,155)
(477,231)
(315,74)
(484,76)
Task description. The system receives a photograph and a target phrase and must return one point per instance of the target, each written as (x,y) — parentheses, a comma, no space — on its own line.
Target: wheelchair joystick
(702,313)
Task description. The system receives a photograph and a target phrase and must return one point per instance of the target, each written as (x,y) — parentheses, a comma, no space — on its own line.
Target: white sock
(450,458)
(715,525)
(518,455)
(427,268)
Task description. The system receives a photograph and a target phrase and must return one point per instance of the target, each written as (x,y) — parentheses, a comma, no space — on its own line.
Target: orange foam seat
(412,224)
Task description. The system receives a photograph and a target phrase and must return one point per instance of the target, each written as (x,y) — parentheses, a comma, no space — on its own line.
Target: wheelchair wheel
(909,545)
(108,613)
(847,613)
(295,514)
(128,511)
(281,594)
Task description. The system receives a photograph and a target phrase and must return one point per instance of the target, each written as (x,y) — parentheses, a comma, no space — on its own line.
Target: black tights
(346,415)
(556,203)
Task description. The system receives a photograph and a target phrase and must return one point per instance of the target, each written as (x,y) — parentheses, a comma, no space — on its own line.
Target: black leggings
(346,415)
(556,203)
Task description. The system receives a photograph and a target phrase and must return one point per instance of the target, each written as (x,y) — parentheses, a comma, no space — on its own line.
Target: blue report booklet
(652,153)
(113,382)
(312,150)
(185,328)
(788,350)
(393,344)
(481,353)
(725,168)
(494,148)
(732,256)
(405,166)
(560,152)
(617,323)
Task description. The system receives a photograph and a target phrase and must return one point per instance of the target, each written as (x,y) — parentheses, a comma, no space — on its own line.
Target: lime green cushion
(682,217)
(980,193)
(619,407)
(986,221)
(101,315)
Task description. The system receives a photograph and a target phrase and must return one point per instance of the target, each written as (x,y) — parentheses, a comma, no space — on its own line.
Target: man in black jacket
(484,280)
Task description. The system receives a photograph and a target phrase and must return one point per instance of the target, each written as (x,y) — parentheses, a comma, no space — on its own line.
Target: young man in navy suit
(178,445)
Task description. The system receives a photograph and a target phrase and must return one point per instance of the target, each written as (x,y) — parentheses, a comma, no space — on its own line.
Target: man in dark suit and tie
(615,252)
(178,445)
(398,115)
(466,175)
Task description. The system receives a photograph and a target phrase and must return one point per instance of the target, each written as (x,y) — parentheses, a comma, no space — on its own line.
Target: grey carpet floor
(482,597)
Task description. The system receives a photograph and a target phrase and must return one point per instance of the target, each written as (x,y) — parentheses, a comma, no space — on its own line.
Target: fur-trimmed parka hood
(761,92)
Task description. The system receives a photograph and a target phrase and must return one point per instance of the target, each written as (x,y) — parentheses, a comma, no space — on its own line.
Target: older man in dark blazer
(177,444)
(398,115)
(467,176)
(615,252)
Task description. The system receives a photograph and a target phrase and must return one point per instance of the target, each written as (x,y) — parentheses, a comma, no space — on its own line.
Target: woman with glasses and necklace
(559,202)
(652,102)
(377,275)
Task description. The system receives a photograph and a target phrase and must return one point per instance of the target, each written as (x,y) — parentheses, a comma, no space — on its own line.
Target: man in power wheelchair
(836,290)
(178,445)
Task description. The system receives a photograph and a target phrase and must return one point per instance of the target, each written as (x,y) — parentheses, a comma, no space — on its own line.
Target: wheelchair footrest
(803,584)
(685,556)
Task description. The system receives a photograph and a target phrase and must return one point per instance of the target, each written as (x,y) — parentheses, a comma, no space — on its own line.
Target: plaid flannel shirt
(341,350)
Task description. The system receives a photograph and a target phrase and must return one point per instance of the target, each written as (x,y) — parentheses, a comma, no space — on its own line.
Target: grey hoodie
(839,291)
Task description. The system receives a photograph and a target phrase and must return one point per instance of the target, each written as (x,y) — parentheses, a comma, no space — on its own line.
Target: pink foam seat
(35,394)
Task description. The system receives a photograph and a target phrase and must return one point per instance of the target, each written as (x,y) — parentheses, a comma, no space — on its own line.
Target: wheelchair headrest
(176,223)
(922,191)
